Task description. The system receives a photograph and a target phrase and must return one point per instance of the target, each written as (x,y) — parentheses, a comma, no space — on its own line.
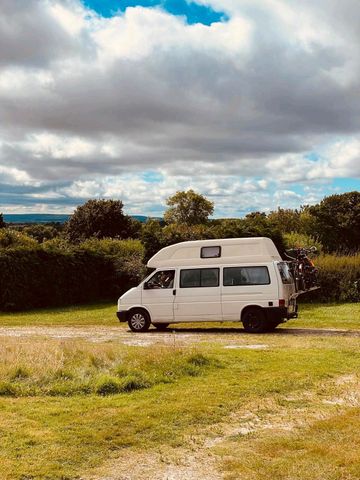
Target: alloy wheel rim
(138,321)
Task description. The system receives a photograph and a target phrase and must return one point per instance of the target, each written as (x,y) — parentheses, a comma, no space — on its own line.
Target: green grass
(68,406)
(342,316)
(79,315)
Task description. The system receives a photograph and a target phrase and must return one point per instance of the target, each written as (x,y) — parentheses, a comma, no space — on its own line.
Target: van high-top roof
(229,251)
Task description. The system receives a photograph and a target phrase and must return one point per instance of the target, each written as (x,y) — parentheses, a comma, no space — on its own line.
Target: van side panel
(235,298)
(197,303)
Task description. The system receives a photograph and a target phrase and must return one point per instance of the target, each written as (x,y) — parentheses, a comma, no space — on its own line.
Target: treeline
(100,251)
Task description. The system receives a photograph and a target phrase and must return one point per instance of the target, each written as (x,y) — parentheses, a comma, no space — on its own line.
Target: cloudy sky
(253,103)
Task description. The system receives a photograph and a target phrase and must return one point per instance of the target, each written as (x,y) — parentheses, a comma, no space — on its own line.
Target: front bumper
(121,315)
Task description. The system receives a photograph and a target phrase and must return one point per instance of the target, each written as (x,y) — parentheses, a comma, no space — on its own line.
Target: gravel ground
(180,336)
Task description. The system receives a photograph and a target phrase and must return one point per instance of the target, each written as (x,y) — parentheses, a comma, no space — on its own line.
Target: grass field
(310,316)
(280,406)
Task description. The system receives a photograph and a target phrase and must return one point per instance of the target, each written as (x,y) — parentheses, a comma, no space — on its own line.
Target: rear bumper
(279,313)
(121,315)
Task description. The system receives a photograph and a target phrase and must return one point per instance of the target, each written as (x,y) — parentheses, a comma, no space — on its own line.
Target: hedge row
(339,278)
(33,278)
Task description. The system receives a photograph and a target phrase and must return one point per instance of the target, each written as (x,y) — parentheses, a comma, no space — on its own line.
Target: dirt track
(178,336)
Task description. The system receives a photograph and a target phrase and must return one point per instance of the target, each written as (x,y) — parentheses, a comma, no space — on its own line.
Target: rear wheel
(139,320)
(254,321)
(271,326)
(161,326)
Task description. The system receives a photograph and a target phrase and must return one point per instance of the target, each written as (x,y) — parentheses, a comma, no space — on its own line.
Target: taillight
(282,302)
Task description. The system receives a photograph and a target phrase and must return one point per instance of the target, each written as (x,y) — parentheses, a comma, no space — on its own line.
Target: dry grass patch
(72,367)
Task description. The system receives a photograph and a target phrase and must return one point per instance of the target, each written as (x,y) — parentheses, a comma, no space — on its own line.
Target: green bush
(295,240)
(41,233)
(126,256)
(339,278)
(58,244)
(10,238)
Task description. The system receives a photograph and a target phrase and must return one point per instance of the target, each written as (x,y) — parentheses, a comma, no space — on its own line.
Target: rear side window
(234,276)
(199,277)
(285,273)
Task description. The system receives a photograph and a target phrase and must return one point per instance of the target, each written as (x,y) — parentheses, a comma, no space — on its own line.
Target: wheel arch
(137,307)
(251,307)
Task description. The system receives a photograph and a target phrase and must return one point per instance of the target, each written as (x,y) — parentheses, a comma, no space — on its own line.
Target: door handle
(174,291)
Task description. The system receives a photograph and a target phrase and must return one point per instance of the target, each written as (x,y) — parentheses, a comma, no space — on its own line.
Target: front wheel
(254,321)
(139,320)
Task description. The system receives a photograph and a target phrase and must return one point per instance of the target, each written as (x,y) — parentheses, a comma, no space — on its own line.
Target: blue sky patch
(313,156)
(151,176)
(346,184)
(193,12)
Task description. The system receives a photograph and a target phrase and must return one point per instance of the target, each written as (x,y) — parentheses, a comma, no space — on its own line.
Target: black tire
(138,320)
(161,326)
(271,326)
(254,320)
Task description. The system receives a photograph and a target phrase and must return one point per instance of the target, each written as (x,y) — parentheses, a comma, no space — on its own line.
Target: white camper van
(235,279)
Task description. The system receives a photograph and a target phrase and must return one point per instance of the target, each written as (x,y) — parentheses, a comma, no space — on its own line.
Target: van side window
(234,276)
(285,274)
(210,252)
(199,277)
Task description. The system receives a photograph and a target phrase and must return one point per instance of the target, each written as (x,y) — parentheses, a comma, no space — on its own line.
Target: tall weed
(59,368)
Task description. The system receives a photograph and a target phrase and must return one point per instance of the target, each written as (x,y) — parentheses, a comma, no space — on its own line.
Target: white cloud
(71,18)
(14,176)
(230,109)
(57,147)
(344,158)
(131,36)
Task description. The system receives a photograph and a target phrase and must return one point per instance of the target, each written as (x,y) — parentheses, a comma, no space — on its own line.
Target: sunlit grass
(329,449)
(340,316)
(79,315)
(69,405)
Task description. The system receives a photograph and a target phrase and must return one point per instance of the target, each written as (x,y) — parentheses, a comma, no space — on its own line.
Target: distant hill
(35,218)
(49,218)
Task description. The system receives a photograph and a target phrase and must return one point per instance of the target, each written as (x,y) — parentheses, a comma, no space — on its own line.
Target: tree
(285,219)
(337,222)
(100,219)
(256,224)
(2,223)
(151,237)
(189,208)
(154,236)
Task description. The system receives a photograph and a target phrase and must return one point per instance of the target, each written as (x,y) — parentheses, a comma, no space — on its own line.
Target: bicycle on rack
(303,269)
